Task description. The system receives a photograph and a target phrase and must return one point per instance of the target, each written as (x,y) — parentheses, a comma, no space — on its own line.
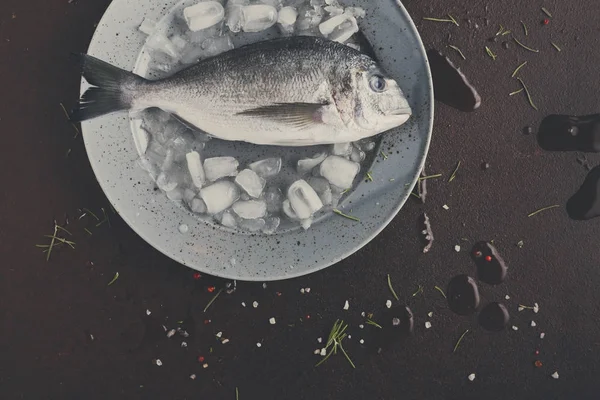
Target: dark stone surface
(49,309)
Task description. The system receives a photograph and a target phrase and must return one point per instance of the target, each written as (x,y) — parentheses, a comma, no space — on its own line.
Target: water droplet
(491,268)
(463,295)
(494,317)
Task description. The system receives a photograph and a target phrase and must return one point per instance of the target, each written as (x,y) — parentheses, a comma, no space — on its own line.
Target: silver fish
(294,91)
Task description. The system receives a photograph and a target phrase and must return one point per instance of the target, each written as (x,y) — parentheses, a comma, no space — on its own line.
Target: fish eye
(377,83)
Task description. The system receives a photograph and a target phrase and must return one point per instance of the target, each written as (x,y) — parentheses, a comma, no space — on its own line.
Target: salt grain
(427,324)
(323,351)
(183,344)
(346,305)
(533,323)
(515,328)
(171,333)
(457,248)
(264,285)
(302,290)
(148,312)
(536,308)
(317,351)
(521,308)
(542,335)
(361,326)
(471,377)
(158,362)
(307,290)
(396,321)
(204,366)
(349,336)
(362,314)
(243,304)
(507,297)
(225,341)
(555,375)
(362,341)
(258,344)
(272,321)
(388,304)
(445,207)
(193,376)
(319,340)
(219,334)
(430,314)
(255,304)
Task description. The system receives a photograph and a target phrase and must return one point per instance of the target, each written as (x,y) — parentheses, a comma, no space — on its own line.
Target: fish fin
(113,89)
(298,115)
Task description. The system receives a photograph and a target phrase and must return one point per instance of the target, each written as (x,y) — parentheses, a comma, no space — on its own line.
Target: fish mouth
(402,111)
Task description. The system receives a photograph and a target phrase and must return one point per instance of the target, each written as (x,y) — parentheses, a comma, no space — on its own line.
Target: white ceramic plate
(294,252)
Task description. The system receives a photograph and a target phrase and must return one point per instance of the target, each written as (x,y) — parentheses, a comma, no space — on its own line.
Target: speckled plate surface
(293,253)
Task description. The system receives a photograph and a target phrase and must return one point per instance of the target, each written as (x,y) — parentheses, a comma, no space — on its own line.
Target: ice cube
(303,199)
(271,225)
(306,165)
(258,17)
(357,155)
(274,3)
(266,168)
(289,211)
(365,145)
(160,42)
(217,45)
(234,18)
(252,225)
(179,42)
(229,220)
(356,12)
(287,16)
(165,182)
(203,15)
(309,18)
(333,10)
(250,209)
(198,206)
(341,149)
(250,182)
(219,196)
(339,171)
(191,55)
(188,195)
(175,194)
(328,26)
(194,165)
(306,223)
(321,186)
(219,167)
(169,160)
(344,31)
(141,137)
(273,197)
(148,25)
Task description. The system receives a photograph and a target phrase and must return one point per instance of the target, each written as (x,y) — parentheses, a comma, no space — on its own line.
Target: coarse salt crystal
(219,334)
(515,328)
(272,321)
(346,305)
(536,308)
(533,323)
(507,297)
(158,362)
(323,351)
(361,326)
(542,335)
(427,324)
(183,344)
(302,290)
(521,308)
(362,314)
(362,341)
(225,341)
(171,333)
(255,304)
(148,312)
(445,207)
(319,340)
(317,351)
(307,290)
(264,285)
(396,321)
(555,375)
(243,304)
(258,344)
(204,366)
(388,304)
(457,248)
(430,314)
(349,336)
(472,377)
(193,376)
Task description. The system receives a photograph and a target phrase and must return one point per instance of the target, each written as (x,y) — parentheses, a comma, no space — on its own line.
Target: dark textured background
(49,309)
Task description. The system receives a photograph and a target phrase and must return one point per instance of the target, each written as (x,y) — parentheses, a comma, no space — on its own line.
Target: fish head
(379,104)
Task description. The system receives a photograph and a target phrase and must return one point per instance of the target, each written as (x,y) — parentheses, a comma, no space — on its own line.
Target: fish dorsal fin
(297,115)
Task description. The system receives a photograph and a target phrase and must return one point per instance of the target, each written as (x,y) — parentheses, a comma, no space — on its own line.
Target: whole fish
(294,91)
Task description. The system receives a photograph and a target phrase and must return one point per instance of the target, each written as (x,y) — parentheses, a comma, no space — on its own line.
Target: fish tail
(114,89)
